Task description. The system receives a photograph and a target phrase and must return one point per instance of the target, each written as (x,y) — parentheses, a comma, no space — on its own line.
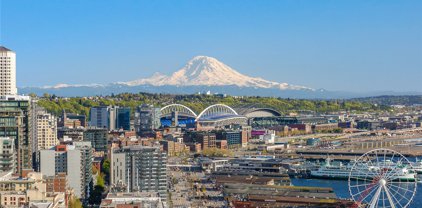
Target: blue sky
(337,45)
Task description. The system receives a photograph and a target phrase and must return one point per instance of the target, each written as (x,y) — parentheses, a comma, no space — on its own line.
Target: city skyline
(211,103)
(364,46)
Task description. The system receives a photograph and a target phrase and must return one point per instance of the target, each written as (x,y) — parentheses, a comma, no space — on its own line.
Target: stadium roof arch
(184,110)
(258,112)
(215,111)
(219,115)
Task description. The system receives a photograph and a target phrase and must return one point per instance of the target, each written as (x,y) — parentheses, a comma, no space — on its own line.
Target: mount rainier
(208,71)
(202,73)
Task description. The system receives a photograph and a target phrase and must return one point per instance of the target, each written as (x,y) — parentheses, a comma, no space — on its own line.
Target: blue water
(341,187)
(342,191)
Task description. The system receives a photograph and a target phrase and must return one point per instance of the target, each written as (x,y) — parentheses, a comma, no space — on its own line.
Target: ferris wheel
(382,178)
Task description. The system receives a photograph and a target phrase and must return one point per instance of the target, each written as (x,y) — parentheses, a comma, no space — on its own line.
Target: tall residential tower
(7,72)
(16,123)
(139,169)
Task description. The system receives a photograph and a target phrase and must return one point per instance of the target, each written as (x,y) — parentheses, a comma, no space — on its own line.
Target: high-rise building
(99,117)
(123,118)
(74,160)
(15,123)
(98,138)
(7,72)
(46,130)
(112,117)
(108,117)
(139,168)
(7,155)
(147,119)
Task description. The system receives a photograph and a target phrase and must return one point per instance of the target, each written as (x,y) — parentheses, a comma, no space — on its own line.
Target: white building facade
(74,160)
(7,72)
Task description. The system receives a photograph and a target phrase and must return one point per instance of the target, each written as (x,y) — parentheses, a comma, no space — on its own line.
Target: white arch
(228,108)
(175,106)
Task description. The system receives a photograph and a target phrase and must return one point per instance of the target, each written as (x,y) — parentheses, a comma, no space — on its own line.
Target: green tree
(215,152)
(105,168)
(32,95)
(75,203)
(96,195)
(199,102)
(100,180)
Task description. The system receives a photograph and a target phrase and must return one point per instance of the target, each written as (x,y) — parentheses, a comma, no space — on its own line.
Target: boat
(414,166)
(361,172)
(417,166)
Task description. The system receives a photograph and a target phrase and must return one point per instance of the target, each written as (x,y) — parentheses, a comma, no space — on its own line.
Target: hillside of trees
(197,103)
(407,100)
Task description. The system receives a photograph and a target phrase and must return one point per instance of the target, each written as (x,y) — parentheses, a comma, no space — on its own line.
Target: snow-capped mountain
(208,71)
(200,74)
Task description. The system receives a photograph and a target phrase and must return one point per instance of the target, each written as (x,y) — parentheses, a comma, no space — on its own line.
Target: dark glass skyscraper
(123,118)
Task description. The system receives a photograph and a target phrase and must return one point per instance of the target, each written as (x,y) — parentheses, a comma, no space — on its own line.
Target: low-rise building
(305,127)
(221,144)
(346,124)
(29,191)
(174,148)
(233,138)
(264,164)
(194,147)
(57,183)
(72,120)
(368,124)
(274,148)
(206,139)
(325,127)
(70,134)
(132,200)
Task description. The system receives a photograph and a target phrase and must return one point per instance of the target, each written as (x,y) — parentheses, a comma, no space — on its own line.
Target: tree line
(82,105)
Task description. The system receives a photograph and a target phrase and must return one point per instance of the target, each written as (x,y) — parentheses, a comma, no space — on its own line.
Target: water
(341,189)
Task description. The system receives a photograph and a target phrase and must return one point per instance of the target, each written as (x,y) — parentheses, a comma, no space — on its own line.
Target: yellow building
(46,131)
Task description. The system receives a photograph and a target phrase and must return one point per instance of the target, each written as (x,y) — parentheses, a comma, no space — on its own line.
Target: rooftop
(131,195)
(144,199)
(137,147)
(15,98)
(3,49)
